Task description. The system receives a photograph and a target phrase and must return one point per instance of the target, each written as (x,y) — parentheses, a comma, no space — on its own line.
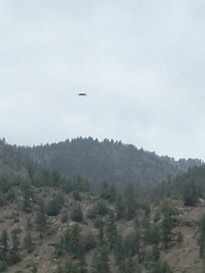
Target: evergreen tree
(100,209)
(77,214)
(166,229)
(31,168)
(108,192)
(77,195)
(100,261)
(113,193)
(55,204)
(75,245)
(130,199)
(15,240)
(105,191)
(67,239)
(119,207)
(152,235)
(157,216)
(4,241)
(55,179)
(82,265)
(111,230)
(131,244)
(41,219)
(191,193)
(127,266)
(137,237)
(27,194)
(28,242)
(89,242)
(202,237)
(101,232)
(119,250)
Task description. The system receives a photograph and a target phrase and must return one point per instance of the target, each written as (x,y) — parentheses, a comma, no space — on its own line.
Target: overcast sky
(141,62)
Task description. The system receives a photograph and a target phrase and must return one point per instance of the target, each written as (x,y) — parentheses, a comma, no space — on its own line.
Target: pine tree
(154,235)
(4,241)
(111,230)
(105,193)
(202,237)
(67,239)
(157,216)
(14,257)
(137,237)
(77,215)
(100,261)
(41,219)
(55,179)
(166,229)
(191,193)
(108,192)
(15,241)
(131,244)
(119,250)
(127,266)
(27,194)
(75,246)
(28,242)
(120,207)
(130,199)
(82,265)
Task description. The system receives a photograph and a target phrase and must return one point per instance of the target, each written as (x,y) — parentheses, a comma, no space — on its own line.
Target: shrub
(99,209)
(54,206)
(89,242)
(77,214)
(76,195)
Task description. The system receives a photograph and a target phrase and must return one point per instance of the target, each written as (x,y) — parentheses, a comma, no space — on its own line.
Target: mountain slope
(108,160)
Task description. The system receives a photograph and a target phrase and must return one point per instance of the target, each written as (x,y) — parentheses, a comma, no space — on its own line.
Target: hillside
(110,161)
(97,161)
(48,228)
(13,159)
(51,221)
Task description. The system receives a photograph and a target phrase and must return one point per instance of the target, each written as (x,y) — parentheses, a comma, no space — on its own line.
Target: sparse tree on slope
(41,219)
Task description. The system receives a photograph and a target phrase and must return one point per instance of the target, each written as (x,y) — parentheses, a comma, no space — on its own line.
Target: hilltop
(115,162)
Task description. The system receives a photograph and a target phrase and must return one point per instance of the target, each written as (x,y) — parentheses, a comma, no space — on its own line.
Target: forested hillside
(12,158)
(110,161)
(51,220)
(49,223)
(97,161)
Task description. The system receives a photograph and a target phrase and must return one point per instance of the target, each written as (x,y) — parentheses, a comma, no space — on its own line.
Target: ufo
(82,94)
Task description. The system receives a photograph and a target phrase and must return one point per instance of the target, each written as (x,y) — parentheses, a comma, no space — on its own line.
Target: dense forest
(97,161)
(53,220)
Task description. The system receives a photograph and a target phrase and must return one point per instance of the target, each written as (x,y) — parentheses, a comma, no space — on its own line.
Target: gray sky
(141,62)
